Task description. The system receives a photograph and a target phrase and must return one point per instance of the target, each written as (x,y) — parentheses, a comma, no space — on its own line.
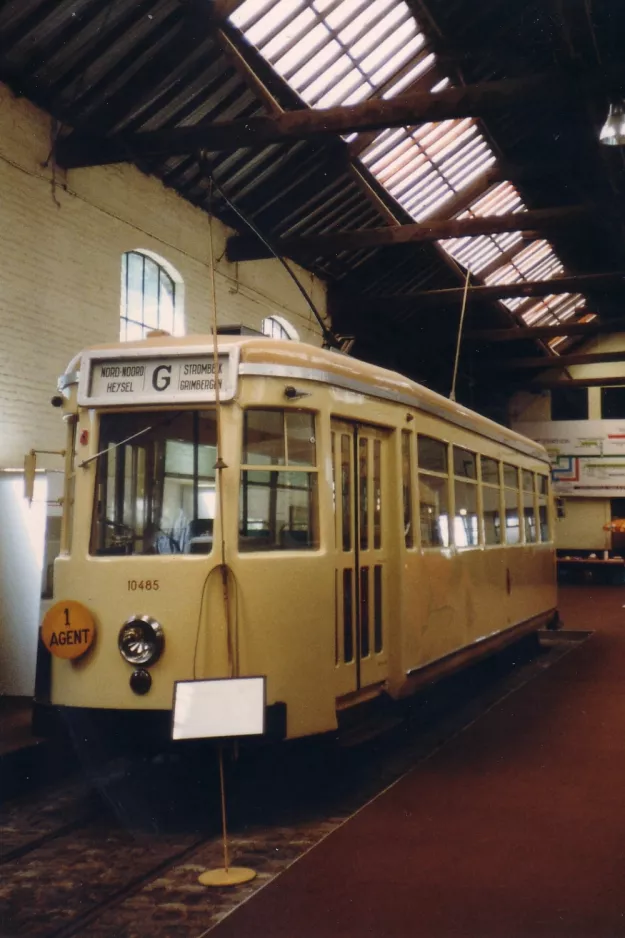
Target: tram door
(361,477)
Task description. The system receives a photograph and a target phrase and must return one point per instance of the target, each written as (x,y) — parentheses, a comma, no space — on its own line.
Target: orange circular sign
(68,629)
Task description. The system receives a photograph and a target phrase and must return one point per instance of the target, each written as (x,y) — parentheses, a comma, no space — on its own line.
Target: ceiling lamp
(613,131)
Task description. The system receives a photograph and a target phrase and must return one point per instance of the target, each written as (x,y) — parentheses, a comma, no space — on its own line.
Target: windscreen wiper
(85,462)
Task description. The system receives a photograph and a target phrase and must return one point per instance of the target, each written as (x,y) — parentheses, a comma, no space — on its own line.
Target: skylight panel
(559,306)
(476,254)
(430,136)
(276,18)
(395,25)
(328,55)
(445,152)
(340,13)
(405,172)
(308,45)
(248,14)
(335,52)
(351,86)
(393,64)
(456,165)
(419,69)
(362,24)
(344,54)
(472,253)
(526,263)
(326,80)
(288,33)
(463,176)
(499,200)
(382,144)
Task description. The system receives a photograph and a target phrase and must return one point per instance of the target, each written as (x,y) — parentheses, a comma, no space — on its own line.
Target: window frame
(455,478)
(165,274)
(193,413)
(311,471)
(432,473)
(511,488)
(500,502)
(272,324)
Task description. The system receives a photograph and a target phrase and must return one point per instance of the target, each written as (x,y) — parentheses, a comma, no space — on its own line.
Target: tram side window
(278,508)
(466,521)
(490,500)
(433,492)
(543,510)
(155,488)
(529,508)
(407,460)
(511,503)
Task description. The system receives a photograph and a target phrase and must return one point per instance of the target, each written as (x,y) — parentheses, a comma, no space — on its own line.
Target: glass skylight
(340,52)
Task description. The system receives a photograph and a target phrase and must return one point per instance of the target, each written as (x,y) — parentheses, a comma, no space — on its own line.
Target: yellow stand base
(233,876)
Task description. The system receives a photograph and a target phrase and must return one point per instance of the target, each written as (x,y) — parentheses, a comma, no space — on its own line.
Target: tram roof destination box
(169,377)
(214,709)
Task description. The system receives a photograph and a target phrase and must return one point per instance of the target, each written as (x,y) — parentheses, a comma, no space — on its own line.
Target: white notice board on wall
(587,456)
(220,708)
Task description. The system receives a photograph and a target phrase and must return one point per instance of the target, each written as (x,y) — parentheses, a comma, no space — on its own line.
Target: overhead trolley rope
(330,339)
(452,393)
(220,464)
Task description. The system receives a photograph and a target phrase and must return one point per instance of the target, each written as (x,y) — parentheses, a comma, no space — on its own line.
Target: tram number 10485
(134,585)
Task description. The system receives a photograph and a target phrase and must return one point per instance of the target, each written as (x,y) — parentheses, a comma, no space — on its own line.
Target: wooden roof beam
(556,361)
(308,123)
(247,248)
(523,333)
(448,297)
(544,383)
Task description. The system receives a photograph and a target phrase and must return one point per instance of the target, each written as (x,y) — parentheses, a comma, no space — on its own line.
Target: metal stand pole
(229,875)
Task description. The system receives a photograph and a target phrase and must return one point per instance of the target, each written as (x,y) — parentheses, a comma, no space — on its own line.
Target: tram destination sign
(164,379)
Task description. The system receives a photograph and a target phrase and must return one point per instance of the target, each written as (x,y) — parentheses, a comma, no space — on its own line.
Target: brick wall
(60,257)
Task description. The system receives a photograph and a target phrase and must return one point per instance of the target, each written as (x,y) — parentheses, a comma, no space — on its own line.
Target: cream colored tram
(358,536)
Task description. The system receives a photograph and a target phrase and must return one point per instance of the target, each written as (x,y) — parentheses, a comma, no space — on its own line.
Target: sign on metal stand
(223,708)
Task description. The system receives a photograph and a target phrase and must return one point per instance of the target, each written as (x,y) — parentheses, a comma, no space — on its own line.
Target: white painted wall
(581,526)
(60,257)
(62,236)
(21,562)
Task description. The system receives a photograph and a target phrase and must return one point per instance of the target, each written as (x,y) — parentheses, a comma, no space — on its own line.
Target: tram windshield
(155,488)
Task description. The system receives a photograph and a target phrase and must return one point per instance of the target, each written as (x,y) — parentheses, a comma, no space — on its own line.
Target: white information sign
(165,379)
(577,437)
(587,456)
(219,708)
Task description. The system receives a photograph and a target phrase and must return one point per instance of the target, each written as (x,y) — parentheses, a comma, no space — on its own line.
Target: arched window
(151,297)
(278,328)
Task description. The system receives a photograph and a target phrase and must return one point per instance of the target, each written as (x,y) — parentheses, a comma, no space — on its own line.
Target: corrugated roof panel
(338,52)
(561,307)
(342,51)
(425,62)
(428,166)
(529,263)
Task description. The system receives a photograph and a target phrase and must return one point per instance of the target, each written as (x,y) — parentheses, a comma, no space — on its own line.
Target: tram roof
(261,356)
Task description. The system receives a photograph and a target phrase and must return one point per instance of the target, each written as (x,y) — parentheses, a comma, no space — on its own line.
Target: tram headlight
(141,640)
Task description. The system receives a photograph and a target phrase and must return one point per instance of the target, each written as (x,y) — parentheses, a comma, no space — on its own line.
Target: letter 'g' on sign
(68,629)
(161,379)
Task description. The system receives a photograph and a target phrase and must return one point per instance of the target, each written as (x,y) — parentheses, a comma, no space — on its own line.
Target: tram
(237,505)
